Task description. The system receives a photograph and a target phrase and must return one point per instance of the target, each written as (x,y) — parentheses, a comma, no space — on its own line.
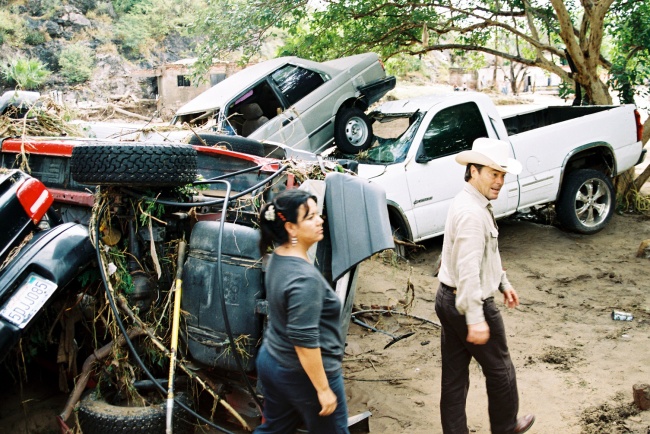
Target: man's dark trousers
(494,358)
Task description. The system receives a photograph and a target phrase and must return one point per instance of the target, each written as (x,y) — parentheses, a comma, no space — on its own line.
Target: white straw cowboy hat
(491,153)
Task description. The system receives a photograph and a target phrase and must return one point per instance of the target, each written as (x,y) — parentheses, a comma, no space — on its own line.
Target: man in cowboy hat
(470,275)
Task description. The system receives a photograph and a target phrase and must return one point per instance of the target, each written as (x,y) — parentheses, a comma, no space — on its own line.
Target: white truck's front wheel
(586,202)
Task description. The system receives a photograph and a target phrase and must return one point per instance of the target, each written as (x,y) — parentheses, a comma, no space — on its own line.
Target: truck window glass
(392,138)
(452,130)
(295,82)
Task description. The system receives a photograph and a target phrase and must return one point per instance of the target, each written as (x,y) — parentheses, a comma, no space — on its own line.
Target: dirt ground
(575,365)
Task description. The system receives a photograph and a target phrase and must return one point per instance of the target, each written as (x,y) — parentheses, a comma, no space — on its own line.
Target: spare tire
(97,416)
(134,164)
(232,143)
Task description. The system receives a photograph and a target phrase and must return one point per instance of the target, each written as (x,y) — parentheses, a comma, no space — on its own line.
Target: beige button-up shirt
(470,254)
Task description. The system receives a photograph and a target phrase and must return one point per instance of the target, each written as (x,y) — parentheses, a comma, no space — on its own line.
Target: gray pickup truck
(302,104)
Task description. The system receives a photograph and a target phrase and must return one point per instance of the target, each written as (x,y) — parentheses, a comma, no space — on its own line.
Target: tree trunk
(596,91)
(584,48)
(645,175)
(642,178)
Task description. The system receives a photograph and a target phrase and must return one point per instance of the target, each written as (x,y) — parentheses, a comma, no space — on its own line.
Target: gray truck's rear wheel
(587,201)
(134,164)
(352,130)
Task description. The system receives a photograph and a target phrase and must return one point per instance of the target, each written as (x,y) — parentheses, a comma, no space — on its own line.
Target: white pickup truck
(569,157)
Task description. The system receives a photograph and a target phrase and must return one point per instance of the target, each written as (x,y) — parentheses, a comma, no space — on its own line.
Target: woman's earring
(294,241)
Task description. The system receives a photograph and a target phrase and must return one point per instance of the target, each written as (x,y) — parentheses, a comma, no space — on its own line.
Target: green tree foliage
(240,26)
(76,63)
(630,31)
(403,65)
(133,36)
(27,74)
(538,33)
(124,6)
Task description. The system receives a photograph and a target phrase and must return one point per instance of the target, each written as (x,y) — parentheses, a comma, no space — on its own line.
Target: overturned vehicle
(146,256)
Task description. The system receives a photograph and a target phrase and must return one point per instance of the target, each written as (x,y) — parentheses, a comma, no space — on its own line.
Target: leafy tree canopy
(543,33)
(143,24)
(631,48)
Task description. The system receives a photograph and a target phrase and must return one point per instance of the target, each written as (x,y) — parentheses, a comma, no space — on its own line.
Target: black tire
(96,416)
(587,201)
(398,235)
(232,143)
(134,164)
(352,130)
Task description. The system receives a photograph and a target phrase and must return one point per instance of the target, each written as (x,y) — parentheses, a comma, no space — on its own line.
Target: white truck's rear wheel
(587,201)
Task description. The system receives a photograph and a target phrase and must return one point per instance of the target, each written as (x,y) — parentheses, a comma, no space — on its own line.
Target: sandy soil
(575,365)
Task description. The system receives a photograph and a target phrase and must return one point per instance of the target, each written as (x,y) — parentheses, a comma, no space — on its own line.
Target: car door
(297,86)
(434,177)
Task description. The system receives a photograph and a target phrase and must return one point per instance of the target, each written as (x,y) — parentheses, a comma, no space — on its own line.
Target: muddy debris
(608,417)
(564,358)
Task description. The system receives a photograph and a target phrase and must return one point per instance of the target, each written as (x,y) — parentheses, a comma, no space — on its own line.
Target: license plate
(28,300)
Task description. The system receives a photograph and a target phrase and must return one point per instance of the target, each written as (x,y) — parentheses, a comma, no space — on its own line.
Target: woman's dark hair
(273,215)
(468,170)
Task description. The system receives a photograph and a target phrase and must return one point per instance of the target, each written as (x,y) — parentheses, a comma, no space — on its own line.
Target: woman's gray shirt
(304,311)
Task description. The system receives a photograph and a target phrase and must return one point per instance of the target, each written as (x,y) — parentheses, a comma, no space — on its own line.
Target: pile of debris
(39,116)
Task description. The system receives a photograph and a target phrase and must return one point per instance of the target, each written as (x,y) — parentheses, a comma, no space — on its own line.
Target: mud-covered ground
(576,367)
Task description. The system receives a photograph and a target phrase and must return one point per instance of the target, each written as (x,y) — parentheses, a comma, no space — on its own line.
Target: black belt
(453,290)
(448,288)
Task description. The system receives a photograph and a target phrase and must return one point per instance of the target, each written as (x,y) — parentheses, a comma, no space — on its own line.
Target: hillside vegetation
(89,47)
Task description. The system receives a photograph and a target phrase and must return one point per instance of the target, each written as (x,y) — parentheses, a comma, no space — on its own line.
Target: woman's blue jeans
(291,400)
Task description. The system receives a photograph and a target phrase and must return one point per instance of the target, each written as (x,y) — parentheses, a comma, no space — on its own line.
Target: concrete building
(172,85)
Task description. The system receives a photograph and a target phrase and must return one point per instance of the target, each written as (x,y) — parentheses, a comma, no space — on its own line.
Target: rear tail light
(35,199)
(639,126)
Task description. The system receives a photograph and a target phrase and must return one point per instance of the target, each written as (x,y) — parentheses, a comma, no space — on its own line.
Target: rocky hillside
(115,39)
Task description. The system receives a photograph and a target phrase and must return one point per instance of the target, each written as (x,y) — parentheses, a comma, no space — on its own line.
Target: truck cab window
(295,82)
(452,130)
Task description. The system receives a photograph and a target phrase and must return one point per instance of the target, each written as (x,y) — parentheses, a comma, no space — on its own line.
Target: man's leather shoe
(524,423)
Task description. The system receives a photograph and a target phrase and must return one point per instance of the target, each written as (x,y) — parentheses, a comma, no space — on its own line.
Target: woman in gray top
(299,364)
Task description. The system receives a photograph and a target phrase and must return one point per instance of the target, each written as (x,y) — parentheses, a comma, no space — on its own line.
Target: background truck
(303,104)
(569,157)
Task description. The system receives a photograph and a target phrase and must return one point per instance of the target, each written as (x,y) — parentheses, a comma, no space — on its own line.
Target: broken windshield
(393,135)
